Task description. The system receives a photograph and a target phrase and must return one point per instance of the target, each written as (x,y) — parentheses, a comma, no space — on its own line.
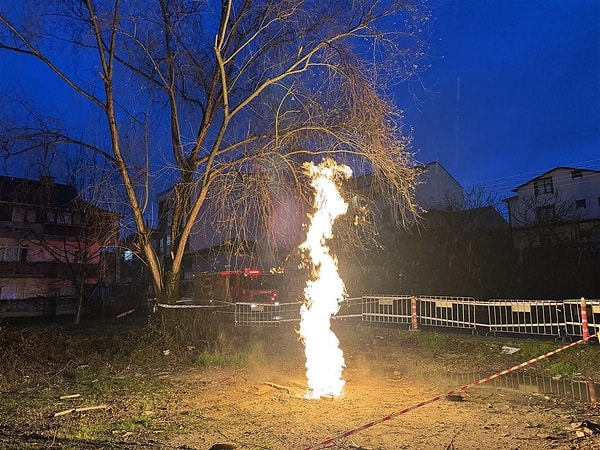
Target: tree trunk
(79,311)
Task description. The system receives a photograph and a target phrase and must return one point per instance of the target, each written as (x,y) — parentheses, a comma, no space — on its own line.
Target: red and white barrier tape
(439,397)
(184,306)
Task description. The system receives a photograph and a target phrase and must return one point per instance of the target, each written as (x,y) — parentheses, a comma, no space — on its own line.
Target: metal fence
(454,312)
(276,314)
(573,320)
(387,309)
(544,318)
(540,317)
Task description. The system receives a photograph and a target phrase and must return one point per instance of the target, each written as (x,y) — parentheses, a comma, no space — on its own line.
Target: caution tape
(169,306)
(447,394)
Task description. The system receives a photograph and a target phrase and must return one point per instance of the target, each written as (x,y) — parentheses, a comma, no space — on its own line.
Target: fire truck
(244,285)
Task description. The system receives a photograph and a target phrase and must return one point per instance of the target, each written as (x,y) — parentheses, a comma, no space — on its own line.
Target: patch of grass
(431,343)
(121,347)
(126,385)
(217,359)
(560,368)
(533,349)
(106,431)
(223,352)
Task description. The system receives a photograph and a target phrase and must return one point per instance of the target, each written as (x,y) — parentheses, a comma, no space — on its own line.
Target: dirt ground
(262,406)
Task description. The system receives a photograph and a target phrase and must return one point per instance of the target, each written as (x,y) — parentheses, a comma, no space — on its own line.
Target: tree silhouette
(222,101)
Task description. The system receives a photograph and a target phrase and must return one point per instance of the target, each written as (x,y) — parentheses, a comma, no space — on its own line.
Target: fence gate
(387,309)
(456,312)
(252,314)
(541,317)
(573,319)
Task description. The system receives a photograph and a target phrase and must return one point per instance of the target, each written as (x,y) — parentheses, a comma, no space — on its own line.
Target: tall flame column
(325,289)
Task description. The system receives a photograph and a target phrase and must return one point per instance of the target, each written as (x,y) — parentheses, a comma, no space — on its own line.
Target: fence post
(584,321)
(415,319)
(592,391)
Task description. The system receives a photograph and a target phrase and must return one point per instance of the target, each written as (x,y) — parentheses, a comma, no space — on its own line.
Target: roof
(42,192)
(428,165)
(548,172)
(365,179)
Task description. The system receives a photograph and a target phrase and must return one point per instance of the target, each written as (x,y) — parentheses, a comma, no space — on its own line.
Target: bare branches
(29,49)
(235,96)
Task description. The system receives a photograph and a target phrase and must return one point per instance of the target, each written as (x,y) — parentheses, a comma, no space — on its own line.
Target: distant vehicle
(244,285)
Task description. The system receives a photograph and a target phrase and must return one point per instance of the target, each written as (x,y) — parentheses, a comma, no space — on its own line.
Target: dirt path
(262,406)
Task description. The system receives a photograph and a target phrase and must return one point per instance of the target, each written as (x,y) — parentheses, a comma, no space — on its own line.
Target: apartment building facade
(50,240)
(561,205)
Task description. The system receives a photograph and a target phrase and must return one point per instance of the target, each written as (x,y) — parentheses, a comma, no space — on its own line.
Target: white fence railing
(553,318)
(548,318)
(387,309)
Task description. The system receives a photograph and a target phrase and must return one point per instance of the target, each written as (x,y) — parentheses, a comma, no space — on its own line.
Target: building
(561,205)
(50,241)
(438,190)
(235,232)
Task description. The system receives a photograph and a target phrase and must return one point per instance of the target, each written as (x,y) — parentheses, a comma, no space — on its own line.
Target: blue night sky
(513,90)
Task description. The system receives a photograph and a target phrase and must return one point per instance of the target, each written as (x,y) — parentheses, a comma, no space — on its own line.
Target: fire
(323,293)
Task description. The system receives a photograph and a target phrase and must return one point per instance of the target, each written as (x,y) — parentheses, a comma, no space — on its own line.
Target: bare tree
(478,196)
(228,97)
(80,253)
(544,219)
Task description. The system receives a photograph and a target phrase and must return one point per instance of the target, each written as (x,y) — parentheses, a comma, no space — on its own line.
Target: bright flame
(323,294)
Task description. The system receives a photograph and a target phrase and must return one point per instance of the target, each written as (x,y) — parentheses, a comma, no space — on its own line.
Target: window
(9,252)
(23,215)
(576,174)
(23,253)
(580,204)
(545,214)
(64,218)
(543,186)
(60,217)
(12,291)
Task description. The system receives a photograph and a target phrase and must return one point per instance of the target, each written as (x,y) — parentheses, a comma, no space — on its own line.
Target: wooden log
(82,409)
(278,386)
(67,397)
